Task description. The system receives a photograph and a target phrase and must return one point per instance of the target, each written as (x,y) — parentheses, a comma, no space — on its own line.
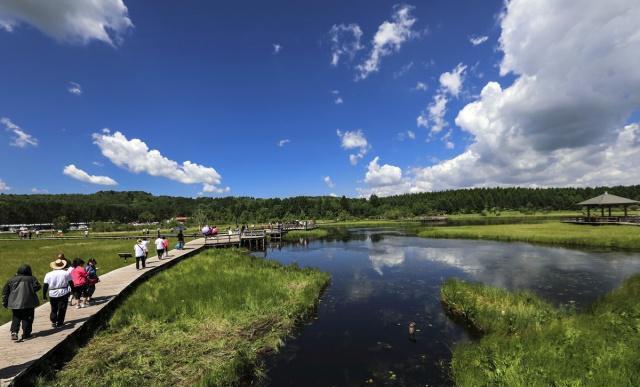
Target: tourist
(20,295)
(165,244)
(57,285)
(69,267)
(80,283)
(180,240)
(145,246)
(159,242)
(86,233)
(92,278)
(138,249)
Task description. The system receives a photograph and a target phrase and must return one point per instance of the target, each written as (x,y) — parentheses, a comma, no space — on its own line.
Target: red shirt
(79,276)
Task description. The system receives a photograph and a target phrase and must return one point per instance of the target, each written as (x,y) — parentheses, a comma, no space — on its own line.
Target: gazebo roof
(606,199)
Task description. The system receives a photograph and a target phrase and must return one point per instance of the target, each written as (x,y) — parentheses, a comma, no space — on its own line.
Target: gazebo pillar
(625,211)
(602,211)
(609,211)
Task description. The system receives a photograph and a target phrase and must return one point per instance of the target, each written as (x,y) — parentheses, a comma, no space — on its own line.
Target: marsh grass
(205,321)
(552,233)
(39,253)
(294,235)
(546,347)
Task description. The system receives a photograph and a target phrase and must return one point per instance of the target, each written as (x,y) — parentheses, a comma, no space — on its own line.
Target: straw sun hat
(58,264)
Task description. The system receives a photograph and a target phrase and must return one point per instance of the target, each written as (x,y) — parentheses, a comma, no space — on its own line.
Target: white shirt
(145,246)
(159,244)
(58,281)
(139,250)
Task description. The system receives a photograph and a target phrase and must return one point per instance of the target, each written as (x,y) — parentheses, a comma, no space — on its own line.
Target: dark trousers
(58,309)
(139,260)
(24,316)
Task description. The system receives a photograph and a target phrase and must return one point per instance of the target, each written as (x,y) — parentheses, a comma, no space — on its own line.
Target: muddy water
(382,280)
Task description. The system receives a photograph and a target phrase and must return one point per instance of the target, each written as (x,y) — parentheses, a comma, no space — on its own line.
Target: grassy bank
(531,344)
(554,233)
(317,233)
(368,223)
(39,253)
(205,321)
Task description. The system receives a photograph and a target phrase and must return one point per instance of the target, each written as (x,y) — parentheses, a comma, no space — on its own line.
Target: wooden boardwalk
(16,358)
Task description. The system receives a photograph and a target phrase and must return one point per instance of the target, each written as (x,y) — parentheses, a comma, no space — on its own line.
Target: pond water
(384,279)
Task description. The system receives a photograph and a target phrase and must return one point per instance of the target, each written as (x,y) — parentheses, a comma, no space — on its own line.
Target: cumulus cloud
(327,180)
(384,180)
(564,120)
(391,35)
(276,48)
(20,139)
(4,186)
(345,41)
(69,20)
(74,88)
(354,140)
(450,84)
(452,81)
(478,40)
(39,191)
(337,98)
(135,156)
(78,174)
(411,135)
(283,142)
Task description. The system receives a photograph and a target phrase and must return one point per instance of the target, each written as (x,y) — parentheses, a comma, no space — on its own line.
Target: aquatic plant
(546,347)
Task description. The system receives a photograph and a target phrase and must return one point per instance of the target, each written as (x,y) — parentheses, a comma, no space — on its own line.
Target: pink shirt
(79,276)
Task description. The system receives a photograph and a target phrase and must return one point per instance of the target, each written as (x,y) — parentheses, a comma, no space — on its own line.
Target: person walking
(139,253)
(159,242)
(20,295)
(80,282)
(57,286)
(92,278)
(145,246)
(165,243)
(180,240)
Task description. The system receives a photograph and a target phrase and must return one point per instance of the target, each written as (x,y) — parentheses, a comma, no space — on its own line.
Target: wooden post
(625,211)
(609,211)
(602,210)
(588,213)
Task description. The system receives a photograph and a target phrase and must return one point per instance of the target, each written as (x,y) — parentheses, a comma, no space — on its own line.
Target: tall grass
(205,321)
(39,253)
(553,233)
(311,234)
(595,348)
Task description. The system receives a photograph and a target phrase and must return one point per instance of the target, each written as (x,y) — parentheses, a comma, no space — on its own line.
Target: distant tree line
(124,207)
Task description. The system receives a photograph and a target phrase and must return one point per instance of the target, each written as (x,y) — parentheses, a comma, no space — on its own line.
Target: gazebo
(606,200)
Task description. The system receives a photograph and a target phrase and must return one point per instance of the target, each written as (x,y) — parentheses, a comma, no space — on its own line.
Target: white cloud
(327,180)
(452,81)
(478,40)
(388,39)
(345,41)
(136,156)
(354,140)
(78,174)
(411,134)
(433,118)
(283,142)
(450,84)
(74,88)
(338,100)
(403,70)
(21,139)
(420,86)
(333,195)
(4,186)
(69,20)
(449,144)
(39,191)
(97,164)
(277,48)
(384,180)
(564,120)
(209,188)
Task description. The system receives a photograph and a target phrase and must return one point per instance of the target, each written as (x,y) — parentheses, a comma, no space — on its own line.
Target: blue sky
(202,82)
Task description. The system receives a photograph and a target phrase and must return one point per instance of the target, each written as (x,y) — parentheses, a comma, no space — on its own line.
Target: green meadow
(206,321)
(526,342)
(551,232)
(294,235)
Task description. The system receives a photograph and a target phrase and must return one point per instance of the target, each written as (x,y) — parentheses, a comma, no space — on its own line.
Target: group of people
(141,249)
(65,283)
